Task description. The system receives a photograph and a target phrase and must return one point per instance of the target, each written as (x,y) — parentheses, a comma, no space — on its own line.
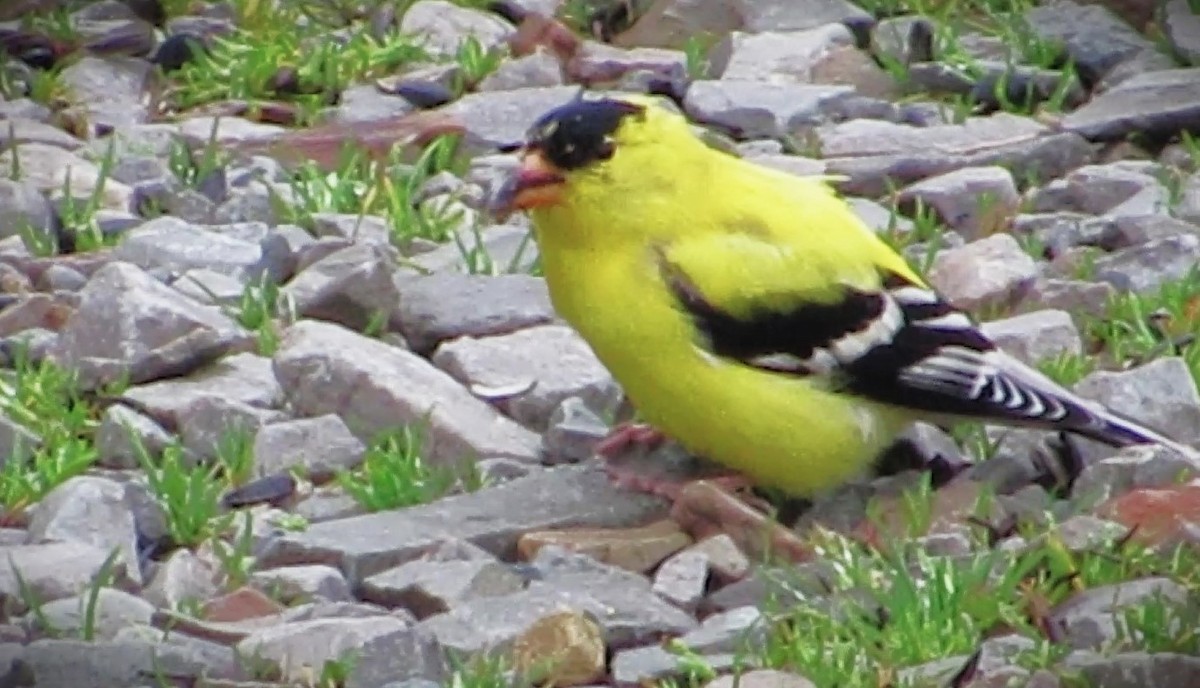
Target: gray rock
(18,130)
(247,378)
(796,15)
(17,443)
(83,664)
(115,610)
(319,446)
(1146,267)
(1095,38)
(1089,618)
(1132,467)
(426,588)
(872,151)
(572,432)
(735,630)
(1181,25)
(492,518)
(182,577)
(1135,669)
(1151,104)
(130,324)
(973,201)
(281,250)
(450,305)
(493,250)
(92,511)
(541,69)
(643,665)
(1161,394)
(1115,190)
(1036,336)
(799,166)
(255,202)
(211,426)
(23,208)
(632,613)
(198,131)
(366,103)
(168,242)
(775,57)
(443,25)
(110,89)
(501,117)
(1077,297)
(219,660)
(351,287)
(682,579)
(530,372)
(298,646)
(1188,207)
(356,228)
(61,278)
(211,287)
(753,109)
(991,271)
(599,64)
(47,168)
(292,583)
(325,368)
(52,571)
(411,656)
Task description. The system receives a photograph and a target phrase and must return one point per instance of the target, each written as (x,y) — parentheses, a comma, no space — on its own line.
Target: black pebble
(177,51)
(424,95)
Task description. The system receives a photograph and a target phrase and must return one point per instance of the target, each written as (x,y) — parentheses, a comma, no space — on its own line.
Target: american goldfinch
(749,314)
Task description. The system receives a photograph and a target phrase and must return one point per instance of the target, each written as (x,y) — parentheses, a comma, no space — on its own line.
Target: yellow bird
(749,314)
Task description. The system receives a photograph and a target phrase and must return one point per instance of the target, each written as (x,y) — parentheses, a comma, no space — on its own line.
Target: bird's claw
(627,435)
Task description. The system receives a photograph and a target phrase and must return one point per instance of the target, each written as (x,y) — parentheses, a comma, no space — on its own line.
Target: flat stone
(24,209)
(502,117)
(110,89)
(682,579)
(114,611)
(182,577)
(1078,297)
(1146,267)
(211,425)
(52,571)
(92,511)
(991,271)
(1135,669)
(129,324)
(599,64)
(427,588)
(19,130)
(1037,336)
(1181,24)
(871,152)
(48,168)
(302,646)
(445,306)
(531,371)
(775,57)
(443,25)
(541,69)
(753,109)
(632,549)
(761,678)
(493,518)
(83,664)
(319,446)
(325,368)
(1160,393)
(973,201)
(1139,466)
(1095,38)
(351,287)
(245,377)
(1088,616)
(292,583)
(1153,104)
(411,656)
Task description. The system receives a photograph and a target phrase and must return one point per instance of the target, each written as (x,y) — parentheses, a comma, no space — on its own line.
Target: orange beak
(535,184)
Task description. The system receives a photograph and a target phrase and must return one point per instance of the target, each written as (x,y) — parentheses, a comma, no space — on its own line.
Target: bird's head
(597,151)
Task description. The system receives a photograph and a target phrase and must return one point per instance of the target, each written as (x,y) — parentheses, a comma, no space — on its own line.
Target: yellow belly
(784,433)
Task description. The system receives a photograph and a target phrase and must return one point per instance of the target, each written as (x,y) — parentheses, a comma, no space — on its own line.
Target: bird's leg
(627,435)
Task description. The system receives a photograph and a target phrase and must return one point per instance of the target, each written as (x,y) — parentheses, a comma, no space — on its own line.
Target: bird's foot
(630,478)
(627,435)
